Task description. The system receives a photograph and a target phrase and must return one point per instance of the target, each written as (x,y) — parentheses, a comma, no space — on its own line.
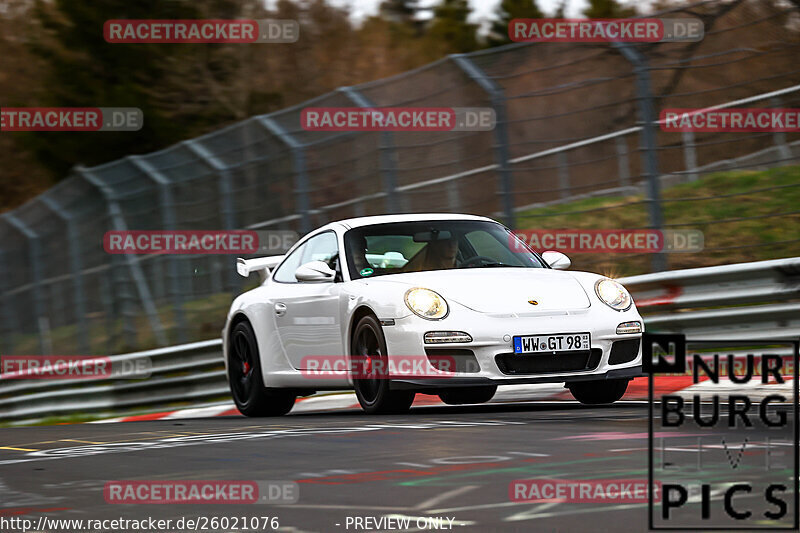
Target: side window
(322,247)
(285,272)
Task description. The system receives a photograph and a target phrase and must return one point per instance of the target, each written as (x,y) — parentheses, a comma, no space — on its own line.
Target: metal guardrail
(185,373)
(740,301)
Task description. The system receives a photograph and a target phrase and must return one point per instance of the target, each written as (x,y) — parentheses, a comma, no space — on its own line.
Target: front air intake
(444,358)
(512,364)
(623,351)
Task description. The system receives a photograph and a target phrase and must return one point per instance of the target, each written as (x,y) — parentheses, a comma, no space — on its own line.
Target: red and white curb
(637,390)
(341,402)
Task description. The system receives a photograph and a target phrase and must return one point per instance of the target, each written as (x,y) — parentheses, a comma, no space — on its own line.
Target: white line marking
(444,496)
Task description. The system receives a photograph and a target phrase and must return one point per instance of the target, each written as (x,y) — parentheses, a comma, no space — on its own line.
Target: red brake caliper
(246,367)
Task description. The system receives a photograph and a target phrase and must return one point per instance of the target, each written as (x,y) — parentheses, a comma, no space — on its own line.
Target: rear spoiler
(262,265)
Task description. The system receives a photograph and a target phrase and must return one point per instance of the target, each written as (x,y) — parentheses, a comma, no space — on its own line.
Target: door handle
(280,309)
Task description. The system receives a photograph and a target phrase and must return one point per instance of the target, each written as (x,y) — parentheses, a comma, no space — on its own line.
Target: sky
(481,9)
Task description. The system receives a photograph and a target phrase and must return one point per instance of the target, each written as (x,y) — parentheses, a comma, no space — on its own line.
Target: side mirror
(556,260)
(314,271)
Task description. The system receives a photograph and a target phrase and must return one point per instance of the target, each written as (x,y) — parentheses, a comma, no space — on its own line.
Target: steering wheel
(472,261)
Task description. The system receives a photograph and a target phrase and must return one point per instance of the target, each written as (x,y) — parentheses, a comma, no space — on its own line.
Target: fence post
(388,155)
(106,297)
(779,138)
(168,219)
(34,257)
(623,164)
(118,223)
(453,197)
(644,98)
(122,291)
(498,102)
(563,175)
(690,155)
(9,317)
(75,270)
(225,193)
(300,172)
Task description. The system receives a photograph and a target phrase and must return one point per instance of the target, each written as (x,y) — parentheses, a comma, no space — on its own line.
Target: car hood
(501,290)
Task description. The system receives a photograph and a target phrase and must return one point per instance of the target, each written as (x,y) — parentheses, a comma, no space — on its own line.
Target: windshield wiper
(485,265)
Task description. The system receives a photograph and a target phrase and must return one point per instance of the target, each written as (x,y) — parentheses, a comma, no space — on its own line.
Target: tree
(507,11)
(22,176)
(403,14)
(449,30)
(399,11)
(561,10)
(83,70)
(607,9)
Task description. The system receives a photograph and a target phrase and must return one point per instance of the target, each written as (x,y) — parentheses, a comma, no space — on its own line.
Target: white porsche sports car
(458,299)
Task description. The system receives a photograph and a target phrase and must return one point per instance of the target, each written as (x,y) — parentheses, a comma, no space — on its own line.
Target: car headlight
(613,294)
(426,304)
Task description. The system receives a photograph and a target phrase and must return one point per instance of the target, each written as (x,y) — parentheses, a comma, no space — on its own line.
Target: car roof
(412,217)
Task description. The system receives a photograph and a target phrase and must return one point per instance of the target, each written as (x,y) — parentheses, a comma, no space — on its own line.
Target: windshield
(434,245)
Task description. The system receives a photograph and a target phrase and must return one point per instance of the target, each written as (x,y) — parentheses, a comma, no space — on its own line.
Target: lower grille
(512,364)
(623,351)
(444,358)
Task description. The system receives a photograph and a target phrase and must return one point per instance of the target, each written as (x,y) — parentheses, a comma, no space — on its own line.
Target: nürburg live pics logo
(724,447)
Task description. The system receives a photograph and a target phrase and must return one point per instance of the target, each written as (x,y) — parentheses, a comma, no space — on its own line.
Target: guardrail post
(168,219)
(75,270)
(226,197)
(644,98)
(388,155)
(690,155)
(623,165)
(35,259)
(118,222)
(498,102)
(301,189)
(9,317)
(779,138)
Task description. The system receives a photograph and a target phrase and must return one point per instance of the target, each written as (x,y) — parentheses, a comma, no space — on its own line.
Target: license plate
(562,342)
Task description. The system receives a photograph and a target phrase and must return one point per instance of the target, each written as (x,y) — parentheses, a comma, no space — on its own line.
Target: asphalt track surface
(443,462)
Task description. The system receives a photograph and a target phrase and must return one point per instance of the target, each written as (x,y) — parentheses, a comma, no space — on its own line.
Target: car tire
(246,381)
(374,394)
(465,395)
(598,392)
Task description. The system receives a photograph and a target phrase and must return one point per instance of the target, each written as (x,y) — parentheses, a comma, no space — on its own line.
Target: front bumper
(422,384)
(492,344)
